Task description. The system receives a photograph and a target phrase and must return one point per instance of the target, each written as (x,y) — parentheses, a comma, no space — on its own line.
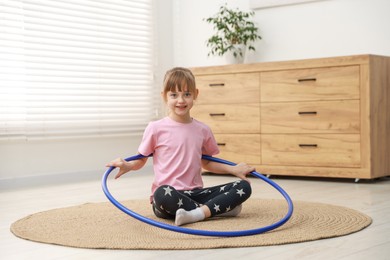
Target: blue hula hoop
(155,223)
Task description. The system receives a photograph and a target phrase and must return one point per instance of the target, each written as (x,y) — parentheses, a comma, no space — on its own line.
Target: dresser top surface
(292,64)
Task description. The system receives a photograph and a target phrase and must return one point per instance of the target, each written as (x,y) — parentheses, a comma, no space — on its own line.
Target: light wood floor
(371,198)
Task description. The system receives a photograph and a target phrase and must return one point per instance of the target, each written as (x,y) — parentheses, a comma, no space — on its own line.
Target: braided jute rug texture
(102,225)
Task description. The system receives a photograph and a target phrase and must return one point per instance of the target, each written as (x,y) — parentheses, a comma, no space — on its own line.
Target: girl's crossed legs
(221,200)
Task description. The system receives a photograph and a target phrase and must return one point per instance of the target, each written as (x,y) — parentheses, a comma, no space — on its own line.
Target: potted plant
(234,33)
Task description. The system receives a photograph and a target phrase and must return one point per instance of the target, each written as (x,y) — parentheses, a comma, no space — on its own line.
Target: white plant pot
(238,59)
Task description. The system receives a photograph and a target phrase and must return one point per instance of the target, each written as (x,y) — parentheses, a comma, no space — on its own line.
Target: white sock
(233,213)
(185,217)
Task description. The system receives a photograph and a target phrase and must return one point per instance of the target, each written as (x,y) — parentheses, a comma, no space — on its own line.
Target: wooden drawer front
(228,88)
(239,147)
(311,117)
(237,118)
(328,150)
(310,84)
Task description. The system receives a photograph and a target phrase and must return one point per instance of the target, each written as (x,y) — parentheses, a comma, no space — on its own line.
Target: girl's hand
(241,170)
(123,166)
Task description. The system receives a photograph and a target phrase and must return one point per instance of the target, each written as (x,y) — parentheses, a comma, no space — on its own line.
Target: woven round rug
(101,225)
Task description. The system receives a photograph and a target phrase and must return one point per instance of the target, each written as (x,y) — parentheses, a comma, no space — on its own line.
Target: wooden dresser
(327,117)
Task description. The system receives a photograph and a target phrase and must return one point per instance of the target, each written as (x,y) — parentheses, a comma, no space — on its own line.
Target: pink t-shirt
(177,150)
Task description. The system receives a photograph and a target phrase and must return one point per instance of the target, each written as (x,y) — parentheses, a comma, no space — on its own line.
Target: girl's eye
(187,94)
(173,95)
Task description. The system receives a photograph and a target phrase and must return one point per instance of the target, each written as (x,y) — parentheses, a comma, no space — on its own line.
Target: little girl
(177,143)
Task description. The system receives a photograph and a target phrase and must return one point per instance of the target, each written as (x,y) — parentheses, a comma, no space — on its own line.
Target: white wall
(28,159)
(317,29)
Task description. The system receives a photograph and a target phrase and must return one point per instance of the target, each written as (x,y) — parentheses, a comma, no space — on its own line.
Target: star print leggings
(219,199)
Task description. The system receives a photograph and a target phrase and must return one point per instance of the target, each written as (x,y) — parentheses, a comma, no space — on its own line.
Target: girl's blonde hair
(179,79)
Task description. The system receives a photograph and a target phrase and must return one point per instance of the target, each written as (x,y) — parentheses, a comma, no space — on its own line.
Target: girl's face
(180,104)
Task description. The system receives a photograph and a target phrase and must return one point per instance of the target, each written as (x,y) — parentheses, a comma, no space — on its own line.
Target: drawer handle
(217,114)
(221,144)
(216,84)
(308,145)
(307,113)
(307,79)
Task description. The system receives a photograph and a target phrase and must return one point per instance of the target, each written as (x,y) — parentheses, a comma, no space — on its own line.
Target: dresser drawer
(228,88)
(328,150)
(238,118)
(328,83)
(239,147)
(311,117)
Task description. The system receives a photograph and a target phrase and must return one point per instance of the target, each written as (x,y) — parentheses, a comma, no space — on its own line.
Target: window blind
(71,68)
